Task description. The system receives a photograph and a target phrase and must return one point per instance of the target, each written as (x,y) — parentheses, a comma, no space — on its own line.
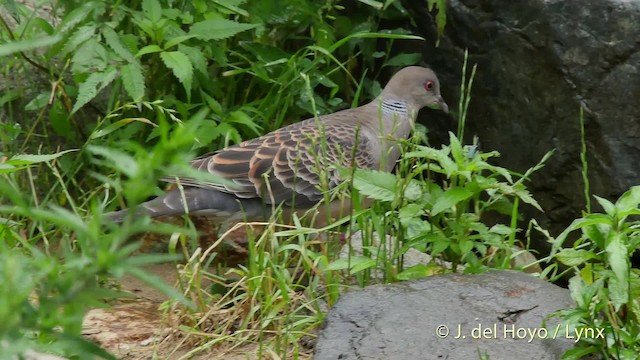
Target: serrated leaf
(113,40)
(133,81)
(196,56)
(75,17)
(450,198)
(181,67)
(92,86)
(81,35)
(525,196)
(378,185)
(217,29)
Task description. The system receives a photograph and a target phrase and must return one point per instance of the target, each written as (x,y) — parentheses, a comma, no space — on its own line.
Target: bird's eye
(428,85)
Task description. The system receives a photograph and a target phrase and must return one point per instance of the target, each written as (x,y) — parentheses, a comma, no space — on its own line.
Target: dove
(286,167)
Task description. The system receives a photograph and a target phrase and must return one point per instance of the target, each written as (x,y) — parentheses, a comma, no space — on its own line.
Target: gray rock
(538,61)
(501,309)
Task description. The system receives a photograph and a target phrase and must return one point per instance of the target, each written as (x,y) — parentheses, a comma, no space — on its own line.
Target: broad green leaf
(574,257)
(152,10)
(618,257)
(217,29)
(618,291)
(133,81)
(90,88)
(181,67)
(27,45)
(149,49)
(450,198)
(379,185)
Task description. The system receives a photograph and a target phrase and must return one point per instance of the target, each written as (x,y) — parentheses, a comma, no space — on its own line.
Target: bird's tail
(193,200)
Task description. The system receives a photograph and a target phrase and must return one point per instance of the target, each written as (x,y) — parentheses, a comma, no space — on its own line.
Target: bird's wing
(286,165)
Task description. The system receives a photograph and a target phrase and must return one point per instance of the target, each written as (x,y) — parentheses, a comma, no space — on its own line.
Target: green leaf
(450,198)
(378,185)
(618,257)
(133,81)
(81,35)
(404,59)
(373,3)
(573,257)
(76,16)
(29,44)
(180,66)
(152,10)
(177,40)
(59,118)
(525,196)
(120,160)
(217,29)
(149,49)
(117,125)
(196,56)
(415,272)
(113,40)
(629,200)
(607,205)
(90,88)
(27,159)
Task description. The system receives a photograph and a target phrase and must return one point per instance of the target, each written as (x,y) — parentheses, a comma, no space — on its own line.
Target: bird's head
(418,86)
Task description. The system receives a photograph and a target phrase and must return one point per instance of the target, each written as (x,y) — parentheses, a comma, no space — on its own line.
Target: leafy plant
(605,286)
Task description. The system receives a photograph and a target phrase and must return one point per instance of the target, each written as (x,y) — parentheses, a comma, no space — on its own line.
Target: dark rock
(538,61)
(400,321)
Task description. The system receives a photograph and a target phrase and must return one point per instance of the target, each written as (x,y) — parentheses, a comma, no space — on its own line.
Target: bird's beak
(443,105)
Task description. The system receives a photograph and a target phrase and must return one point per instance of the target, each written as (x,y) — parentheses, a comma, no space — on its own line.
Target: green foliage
(448,220)
(605,286)
(112,96)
